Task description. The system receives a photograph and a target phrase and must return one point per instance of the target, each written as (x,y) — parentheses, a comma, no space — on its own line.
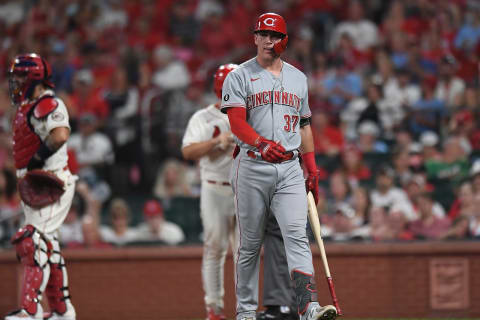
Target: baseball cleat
(277,313)
(316,312)
(212,315)
(247,316)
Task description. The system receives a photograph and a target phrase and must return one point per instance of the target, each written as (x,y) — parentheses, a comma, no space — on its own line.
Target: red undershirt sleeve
(240,127)
(309,160)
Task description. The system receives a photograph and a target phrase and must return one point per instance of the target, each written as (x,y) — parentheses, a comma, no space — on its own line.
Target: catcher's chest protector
(25,141)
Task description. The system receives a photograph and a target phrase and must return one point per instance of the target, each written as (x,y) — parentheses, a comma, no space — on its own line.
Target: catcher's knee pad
(33,250)
(305,290)
(57,287)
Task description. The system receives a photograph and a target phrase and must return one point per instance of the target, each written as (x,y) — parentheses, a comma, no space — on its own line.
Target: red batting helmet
(219,77)
(273,22)
(32,69)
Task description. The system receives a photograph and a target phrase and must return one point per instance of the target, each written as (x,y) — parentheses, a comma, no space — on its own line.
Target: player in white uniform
(208,138)
(40,130)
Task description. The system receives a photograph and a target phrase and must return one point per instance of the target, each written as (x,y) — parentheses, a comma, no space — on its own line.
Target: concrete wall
(428,279)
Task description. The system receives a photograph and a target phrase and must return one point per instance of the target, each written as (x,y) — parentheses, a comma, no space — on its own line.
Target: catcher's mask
(26,71)
(274,23)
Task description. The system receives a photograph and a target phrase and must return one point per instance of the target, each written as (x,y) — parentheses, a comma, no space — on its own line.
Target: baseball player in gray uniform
(266,100)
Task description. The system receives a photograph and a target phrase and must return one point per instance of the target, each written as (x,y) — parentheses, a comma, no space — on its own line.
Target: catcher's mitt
(39,188)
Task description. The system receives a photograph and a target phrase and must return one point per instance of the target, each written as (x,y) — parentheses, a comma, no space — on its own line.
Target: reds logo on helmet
(26,71)
(273,22)
(219,77)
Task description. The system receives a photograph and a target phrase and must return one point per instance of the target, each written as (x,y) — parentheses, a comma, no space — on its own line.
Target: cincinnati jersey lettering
(278,97)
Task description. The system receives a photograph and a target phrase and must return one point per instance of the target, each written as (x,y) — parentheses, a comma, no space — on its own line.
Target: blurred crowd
(393,89)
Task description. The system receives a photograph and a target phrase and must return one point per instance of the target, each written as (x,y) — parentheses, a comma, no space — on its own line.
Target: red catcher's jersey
(25,141)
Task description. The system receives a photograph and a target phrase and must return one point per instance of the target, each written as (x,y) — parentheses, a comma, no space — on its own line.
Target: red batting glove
(270,150)
(311,183)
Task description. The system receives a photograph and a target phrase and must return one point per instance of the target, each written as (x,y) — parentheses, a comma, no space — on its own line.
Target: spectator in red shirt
(461,211)
(86,98)
(328,139)
(353,167)
(464,202)
(354,58)
(468,64)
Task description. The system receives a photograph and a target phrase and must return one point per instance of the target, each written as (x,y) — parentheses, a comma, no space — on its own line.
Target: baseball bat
(315,225)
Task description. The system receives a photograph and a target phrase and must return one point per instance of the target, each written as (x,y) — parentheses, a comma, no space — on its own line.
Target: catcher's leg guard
(57,287)
(305,290)
(33,251)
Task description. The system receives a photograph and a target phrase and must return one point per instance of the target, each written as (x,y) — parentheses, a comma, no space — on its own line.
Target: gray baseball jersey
(251,86)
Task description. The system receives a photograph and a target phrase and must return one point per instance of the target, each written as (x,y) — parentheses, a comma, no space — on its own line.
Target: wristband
(304,122)
(43,152)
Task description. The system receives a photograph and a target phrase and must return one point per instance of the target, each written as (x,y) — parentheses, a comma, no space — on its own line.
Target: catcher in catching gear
(46,187)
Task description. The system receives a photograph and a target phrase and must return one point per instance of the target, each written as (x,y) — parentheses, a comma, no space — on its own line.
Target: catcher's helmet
(30,69)
(219,77)
(273,22)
